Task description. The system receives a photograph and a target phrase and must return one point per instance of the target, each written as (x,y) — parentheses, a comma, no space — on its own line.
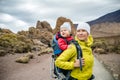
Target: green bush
(22,47)
(109,44)
(2,52)
(23,59)
(110,48)
(15,43)
(100,51)
(99,44)
(117,49)
(8,40)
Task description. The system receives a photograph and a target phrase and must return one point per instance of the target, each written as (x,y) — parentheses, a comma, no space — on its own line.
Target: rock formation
(60,21)
(42,32)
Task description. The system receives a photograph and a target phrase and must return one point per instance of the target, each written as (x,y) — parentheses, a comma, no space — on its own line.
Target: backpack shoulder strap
(79,52)
(54,38)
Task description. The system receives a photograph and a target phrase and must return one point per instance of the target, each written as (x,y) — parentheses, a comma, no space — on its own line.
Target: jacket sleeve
(62,44)
(66,59)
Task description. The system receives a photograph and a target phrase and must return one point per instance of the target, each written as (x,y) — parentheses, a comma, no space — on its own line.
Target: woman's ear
(88,34)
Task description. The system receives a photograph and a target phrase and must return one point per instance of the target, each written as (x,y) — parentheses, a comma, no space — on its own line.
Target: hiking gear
(71,78)
(60,43)
(67,58)
(66,25)
(64,42)
(65,74)
(55,46)
(91,78)
(84,26)
(79,53)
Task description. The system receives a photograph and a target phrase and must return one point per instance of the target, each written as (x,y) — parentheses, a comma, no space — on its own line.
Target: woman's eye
(83,30)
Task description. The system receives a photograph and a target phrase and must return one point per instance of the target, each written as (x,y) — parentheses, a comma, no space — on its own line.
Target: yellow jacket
(67,58)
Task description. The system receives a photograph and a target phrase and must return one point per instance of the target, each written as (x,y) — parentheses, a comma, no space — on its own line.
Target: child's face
(82,34)
(64,32)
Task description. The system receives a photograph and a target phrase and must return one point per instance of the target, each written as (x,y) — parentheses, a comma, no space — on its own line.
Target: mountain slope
(110,17)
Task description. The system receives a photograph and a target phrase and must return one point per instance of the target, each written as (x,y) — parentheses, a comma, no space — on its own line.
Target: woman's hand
(77,62)
(69,46)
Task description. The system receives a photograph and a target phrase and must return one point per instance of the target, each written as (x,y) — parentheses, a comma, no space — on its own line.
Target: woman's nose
(80,32)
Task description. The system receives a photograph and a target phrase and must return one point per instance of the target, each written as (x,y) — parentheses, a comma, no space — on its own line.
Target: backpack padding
(79,53)
(79,56)
(55,46)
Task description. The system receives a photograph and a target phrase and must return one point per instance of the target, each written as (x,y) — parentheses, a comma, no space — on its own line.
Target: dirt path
(38,69)
(101,72)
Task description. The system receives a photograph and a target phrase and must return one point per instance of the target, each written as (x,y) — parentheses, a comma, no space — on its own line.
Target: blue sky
(18,15)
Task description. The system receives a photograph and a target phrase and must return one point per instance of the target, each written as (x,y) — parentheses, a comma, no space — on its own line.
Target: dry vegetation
(23,41)
(106,41)
(106,46)
(108,54)
(12,43)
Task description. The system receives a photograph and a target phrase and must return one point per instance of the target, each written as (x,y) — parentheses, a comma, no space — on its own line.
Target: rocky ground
(39,67)
(36,69)
(112,62)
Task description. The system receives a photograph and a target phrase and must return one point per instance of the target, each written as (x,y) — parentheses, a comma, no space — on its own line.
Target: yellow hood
(88,43)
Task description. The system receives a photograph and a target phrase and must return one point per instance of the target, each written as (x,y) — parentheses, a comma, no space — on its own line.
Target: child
(64,36)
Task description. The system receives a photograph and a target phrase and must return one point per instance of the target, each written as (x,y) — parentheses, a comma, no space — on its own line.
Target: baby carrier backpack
(61,74)
(55,46)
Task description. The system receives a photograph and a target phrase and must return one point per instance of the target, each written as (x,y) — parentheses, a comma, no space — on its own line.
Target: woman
(68,59)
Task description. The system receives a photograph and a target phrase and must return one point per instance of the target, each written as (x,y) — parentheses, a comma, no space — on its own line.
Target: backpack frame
(61,74)
(55,46)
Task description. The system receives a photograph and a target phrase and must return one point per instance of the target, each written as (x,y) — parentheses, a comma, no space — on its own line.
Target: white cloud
(3,25)
(12,23)
(27,7)
(6,17)
(18,25)
(20,14)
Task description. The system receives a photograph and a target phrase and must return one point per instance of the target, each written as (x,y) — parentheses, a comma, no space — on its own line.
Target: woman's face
(82,34)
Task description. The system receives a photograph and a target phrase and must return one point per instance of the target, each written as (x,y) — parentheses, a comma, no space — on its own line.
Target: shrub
(110,48)
(117,49)
(30,55)
(23,59)
(99,44)
(99,50)
(2,52)
(15,43)
(22,47)
(8,40)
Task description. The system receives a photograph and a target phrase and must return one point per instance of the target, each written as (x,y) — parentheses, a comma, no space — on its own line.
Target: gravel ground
(39,67)
(112,62)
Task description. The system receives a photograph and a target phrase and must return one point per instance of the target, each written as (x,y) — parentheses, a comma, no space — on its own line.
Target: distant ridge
(110,17)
